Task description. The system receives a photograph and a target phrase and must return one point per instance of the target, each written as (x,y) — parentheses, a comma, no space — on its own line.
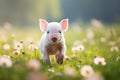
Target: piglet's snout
(54,38)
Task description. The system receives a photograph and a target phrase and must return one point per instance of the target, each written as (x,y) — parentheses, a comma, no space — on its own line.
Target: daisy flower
(16,52)
(86,71)
(5,61)
(32,47)
(6,56)
(99,61)
(6,47)
(79,48)
(18,45)
(114,49)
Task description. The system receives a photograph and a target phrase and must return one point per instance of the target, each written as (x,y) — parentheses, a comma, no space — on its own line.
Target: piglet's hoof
(59,59)
(60,62)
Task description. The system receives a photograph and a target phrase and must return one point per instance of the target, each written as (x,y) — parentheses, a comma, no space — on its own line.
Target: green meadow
(94,40)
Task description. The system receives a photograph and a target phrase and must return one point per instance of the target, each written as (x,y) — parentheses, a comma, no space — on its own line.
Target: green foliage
(25,12)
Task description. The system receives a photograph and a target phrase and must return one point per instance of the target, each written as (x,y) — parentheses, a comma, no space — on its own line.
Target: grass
(93,47)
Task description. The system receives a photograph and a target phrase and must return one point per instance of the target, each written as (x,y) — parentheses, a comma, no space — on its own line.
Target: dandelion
(81,48)
(6,47)
(34,65)
(33,47)
(78,48)
(114,49)
(70,71)
(5,61)
(86,71)
(16,52)
(18,45)
(6,56)
(99,61)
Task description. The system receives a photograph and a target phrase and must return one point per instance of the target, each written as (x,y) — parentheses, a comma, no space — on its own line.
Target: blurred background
(27,12)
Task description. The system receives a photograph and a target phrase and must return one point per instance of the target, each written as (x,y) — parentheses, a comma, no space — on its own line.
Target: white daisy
(80,48)
(16,52)
(114,49)
(32,47)
(5,61)
(99,61)
(6,46)
(18,45)
(86,71)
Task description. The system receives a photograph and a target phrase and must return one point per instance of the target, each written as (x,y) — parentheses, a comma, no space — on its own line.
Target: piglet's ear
(64,23)
(43,24)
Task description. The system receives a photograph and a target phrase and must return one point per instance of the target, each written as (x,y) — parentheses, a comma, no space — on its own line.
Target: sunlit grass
(97,42)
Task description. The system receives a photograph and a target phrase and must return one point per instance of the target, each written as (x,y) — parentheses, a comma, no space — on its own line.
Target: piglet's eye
(48,32)
(59,31)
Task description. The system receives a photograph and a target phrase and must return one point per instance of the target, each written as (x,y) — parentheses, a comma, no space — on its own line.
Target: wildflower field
(92,54)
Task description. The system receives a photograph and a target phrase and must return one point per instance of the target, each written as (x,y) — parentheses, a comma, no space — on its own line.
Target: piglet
(52,42)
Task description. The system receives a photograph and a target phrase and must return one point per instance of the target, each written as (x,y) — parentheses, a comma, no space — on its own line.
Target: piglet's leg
(46,58)
(60,56)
